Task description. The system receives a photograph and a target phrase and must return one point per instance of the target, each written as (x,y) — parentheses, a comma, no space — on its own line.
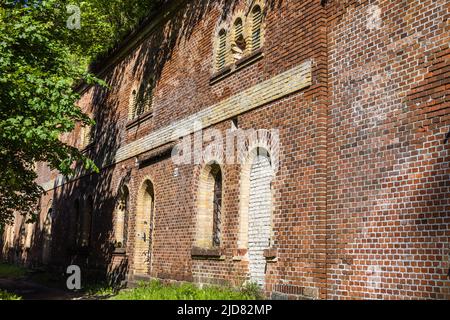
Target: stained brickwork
(359,199)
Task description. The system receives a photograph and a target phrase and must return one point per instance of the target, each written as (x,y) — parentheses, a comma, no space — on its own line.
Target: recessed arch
(221,49)
(121,217)
(144,225)
(256,26)
(255,211)
(132,103)
(238,43)
(86,222)
(209,207)
(47,237)
(75,224)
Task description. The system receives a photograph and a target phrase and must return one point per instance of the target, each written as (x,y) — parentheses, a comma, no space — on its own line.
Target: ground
(19,283)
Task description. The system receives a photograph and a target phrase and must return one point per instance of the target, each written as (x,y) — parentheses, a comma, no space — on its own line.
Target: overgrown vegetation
(156,290)
(41,63)
(8,296)
(11,271)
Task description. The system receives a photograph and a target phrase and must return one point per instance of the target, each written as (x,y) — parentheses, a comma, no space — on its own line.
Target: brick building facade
(342,192)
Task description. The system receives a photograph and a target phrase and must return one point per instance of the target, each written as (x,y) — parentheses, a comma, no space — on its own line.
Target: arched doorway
(47,237)
(144,228)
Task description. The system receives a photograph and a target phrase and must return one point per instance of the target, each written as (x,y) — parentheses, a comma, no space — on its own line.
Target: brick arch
(144,224)
(255,212)
(207,226)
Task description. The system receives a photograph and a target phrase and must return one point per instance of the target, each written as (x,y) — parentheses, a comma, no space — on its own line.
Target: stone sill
(138,120)
(207,253)
(238,65)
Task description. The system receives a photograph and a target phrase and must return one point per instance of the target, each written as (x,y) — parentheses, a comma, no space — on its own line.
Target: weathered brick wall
(284,89)
(388,183)
(360,198)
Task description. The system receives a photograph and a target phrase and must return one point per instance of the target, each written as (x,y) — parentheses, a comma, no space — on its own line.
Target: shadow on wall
(98,255)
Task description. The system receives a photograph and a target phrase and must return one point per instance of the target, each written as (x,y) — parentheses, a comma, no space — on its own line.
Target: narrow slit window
(217,208)
(222,50)
(256,28)
(133,103)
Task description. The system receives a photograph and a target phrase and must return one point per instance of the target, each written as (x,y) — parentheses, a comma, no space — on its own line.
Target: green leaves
(37,102)
(41,60)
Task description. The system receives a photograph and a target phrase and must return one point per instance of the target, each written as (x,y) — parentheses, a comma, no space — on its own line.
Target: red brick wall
(388,177)
(360,204)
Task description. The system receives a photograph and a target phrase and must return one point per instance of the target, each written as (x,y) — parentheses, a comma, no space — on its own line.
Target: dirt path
(32,291)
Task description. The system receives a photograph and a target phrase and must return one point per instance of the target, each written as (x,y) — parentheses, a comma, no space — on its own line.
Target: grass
(11,271)
(8,296)
(99,290)
(156,290)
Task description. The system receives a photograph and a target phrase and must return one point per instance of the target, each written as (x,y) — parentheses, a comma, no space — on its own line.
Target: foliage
(156,290)
(4,295)
(11,271)
(41,62)
(99,290)
(37,102)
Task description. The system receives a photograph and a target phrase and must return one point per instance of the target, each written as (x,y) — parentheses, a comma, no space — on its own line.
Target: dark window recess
(217,208)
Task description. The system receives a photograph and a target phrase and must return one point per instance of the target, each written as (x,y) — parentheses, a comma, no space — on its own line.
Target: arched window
(10,235)
(29,235)
(86,226)
(47,237)
(238,46)
(141,100)
(75,225)
(256,27)
(221,50)
(85,136)
(133,104)
(208,233)
(22,234)
(121,217)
